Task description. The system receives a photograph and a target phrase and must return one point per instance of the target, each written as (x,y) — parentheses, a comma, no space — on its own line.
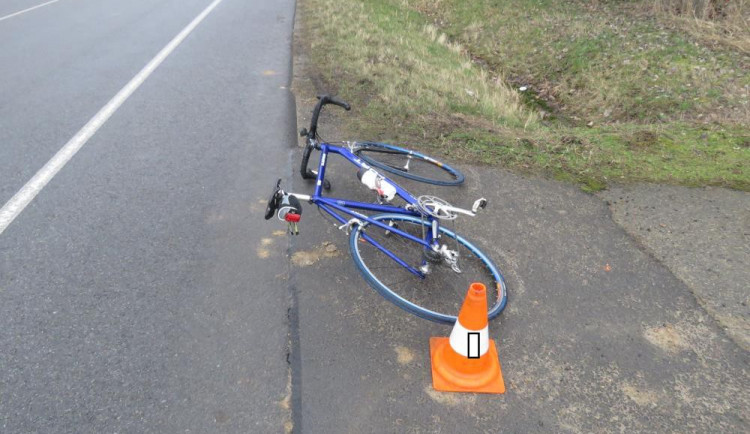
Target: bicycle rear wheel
(439,295)
(408,164)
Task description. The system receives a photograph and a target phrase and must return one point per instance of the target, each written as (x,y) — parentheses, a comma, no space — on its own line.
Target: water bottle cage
(375,182)
(382,198)
(378,189)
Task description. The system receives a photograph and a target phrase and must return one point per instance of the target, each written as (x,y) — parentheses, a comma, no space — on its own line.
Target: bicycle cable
(327,217)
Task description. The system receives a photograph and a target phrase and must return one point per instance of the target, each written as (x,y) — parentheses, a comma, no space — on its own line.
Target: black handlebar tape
(314,121)
(313,131)
(323,100)
(335,101)
(303,170)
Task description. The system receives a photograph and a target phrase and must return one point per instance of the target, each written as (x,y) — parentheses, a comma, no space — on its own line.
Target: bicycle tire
(356,248)
(448,175)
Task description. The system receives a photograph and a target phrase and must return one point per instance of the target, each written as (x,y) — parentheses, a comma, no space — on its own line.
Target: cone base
(449,380)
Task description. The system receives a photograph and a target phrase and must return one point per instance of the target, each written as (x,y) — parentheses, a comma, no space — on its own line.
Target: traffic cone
(467,361)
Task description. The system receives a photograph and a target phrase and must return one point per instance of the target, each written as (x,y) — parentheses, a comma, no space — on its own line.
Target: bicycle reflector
(290,210)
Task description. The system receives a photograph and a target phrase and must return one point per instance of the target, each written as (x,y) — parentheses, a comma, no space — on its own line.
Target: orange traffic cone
(467,361)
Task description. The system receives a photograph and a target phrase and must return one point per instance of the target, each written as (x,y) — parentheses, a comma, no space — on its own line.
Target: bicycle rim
(439,295)
(409,164)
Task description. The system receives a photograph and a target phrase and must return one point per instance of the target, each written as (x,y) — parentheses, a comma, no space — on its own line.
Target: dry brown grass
(410,66)
(722,21)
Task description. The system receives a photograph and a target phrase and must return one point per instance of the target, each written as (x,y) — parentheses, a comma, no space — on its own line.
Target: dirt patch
(307,258)
(639,395)
(263,250)
(404,356)
(667,338)
(450,399)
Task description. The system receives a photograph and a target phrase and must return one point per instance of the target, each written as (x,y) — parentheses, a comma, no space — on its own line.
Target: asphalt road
(132,298)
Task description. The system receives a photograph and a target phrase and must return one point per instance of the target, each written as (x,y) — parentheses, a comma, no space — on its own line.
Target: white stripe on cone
(460,340)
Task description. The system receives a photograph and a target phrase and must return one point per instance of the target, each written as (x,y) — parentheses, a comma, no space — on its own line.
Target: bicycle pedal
(479,205)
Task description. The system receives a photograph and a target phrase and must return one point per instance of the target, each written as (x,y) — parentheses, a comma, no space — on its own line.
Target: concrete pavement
(132,294)
(702,235)
(582,349)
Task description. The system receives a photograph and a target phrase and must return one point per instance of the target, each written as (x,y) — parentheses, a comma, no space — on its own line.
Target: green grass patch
(612,95)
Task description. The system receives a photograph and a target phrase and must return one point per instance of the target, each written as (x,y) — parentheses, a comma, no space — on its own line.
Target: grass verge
(610,94)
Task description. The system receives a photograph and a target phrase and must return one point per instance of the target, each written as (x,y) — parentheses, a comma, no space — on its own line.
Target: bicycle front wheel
(439,295)
(408,164)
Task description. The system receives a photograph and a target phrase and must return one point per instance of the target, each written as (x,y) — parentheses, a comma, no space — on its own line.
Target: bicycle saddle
(273,201)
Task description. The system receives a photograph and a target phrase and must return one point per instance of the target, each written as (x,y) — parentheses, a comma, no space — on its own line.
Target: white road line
(28,192)
(27,10)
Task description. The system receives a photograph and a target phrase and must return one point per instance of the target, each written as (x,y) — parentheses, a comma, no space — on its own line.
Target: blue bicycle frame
(336,206)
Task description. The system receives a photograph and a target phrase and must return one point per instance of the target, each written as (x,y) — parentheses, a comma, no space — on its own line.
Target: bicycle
(403,252)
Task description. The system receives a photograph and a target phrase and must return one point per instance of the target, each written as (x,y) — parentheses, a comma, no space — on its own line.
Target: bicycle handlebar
(323,100)
(336,101)
(313,131)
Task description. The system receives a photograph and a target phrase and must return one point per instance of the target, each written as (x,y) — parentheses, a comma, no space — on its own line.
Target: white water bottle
(374,181)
